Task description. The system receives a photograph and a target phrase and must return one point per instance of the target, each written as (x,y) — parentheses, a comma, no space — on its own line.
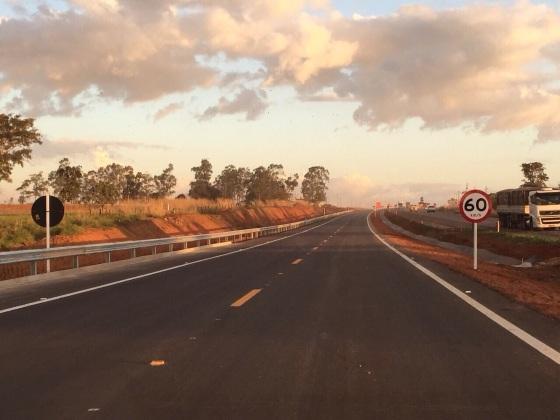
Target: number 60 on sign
(475,206)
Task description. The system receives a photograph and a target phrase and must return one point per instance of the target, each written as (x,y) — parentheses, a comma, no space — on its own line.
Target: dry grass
(155,208)
(151,207)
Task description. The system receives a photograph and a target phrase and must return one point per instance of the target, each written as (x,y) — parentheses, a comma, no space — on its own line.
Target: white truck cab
(529,207)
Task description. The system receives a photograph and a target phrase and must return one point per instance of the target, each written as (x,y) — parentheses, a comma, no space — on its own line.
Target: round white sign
(475,206)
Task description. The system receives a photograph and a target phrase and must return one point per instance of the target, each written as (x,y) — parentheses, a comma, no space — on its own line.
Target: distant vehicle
(431,208)
(413,207)
(529,208)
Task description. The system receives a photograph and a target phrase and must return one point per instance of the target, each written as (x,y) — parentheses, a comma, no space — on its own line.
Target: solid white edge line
(114,283)
(524,336)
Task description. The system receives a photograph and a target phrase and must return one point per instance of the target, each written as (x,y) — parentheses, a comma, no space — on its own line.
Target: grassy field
(17,229)
(518,244)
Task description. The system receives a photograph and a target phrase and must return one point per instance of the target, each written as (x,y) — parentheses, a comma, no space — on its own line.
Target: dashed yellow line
(296,262)
(244,299)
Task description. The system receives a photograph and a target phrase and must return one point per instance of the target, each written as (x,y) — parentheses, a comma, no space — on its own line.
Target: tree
(34,186)
(165,182)
(17,135)
(267,184)
(138,186)
(291,183)
(314,185)
(201,187)
(105,186)
(535,175)
(232,182)
(66,181)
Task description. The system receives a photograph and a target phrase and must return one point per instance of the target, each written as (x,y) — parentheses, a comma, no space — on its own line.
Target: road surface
(326,323)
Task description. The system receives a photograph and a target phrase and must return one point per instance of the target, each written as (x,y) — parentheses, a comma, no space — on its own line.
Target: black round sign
(39,211)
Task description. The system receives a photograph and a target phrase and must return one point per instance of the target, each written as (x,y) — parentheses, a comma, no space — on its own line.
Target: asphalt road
(326,324)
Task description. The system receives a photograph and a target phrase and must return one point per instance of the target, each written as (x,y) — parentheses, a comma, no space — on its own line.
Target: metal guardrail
(33,256)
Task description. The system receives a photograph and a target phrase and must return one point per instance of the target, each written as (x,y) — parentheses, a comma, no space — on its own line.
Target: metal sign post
(475,247)
(475,206)
(48,227)
(47,211)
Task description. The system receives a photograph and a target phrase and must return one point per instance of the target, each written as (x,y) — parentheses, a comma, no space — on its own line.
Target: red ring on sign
(488,198)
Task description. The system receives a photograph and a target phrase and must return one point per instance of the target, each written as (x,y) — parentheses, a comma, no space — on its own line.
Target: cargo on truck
(529,208)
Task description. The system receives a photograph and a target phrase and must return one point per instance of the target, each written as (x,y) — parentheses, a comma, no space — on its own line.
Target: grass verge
(516,244)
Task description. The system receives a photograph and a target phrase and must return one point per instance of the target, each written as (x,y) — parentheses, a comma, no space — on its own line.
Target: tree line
(262,183)
(115,182)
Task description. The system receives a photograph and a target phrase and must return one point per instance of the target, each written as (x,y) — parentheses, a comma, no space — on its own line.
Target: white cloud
(250,102)
(494,68)
(168,110)
(101,157)
(361,190)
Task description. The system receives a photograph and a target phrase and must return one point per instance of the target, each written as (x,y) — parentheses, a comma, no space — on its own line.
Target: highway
(324,323)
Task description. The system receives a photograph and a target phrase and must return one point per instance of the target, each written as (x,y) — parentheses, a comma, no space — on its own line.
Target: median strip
(244,299)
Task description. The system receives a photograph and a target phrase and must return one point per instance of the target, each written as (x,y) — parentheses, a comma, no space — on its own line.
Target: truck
(529,207)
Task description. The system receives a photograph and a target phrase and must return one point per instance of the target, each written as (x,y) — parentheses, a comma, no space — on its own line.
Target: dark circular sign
(39,211)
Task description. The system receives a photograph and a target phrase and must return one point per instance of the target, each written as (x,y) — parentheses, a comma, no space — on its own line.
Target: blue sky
(367,161)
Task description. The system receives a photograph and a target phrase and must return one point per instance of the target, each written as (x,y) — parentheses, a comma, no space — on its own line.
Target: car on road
(431,208)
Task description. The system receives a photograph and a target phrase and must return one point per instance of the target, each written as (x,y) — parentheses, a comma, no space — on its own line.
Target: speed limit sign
(475,206)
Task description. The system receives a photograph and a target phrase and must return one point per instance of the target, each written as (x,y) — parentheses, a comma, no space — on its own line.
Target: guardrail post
(170,247)
(33,268)
(133,253)
(154,250)
(108,257)
(75,261)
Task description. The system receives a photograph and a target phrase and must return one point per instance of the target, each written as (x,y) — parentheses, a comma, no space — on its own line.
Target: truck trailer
(529,208)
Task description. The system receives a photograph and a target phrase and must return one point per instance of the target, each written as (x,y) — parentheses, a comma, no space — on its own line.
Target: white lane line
(524,336)
(163,270)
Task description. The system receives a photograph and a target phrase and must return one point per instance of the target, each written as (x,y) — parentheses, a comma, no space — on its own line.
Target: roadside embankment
(537,287)
(521,245)
(126,228)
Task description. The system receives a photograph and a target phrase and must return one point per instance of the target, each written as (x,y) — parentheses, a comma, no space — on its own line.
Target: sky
(397,99)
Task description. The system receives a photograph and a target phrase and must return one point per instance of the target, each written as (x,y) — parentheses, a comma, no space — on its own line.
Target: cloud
(101,157)
(72,148)
(168,110)
(361,190)
(483,66)
(487,67)
(53,58)
(248,101)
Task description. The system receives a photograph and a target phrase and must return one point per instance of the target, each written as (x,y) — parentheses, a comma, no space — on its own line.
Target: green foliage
(34,186)
(314,185)
(66,181)
(20,230)
(17,136)
(165,183)
(138,186)
(201,186)
(535,175)
(268,184)
(232,182)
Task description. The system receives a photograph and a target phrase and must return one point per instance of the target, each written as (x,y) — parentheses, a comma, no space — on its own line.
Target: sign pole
(475,206)
(475,246)
(48,220)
